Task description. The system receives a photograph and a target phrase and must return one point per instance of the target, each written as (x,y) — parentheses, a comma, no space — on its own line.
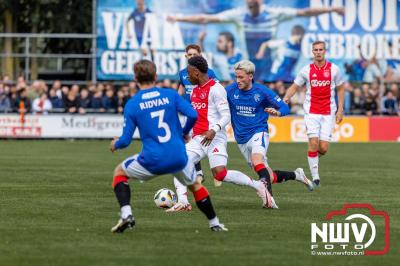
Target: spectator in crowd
(132,87)
(64,92)
(56,85)
(122,99)
(100,87)
(5,104)
(280,88)
(390,104)
(84,101)
(365,89)
(109,101)
(75,89)
(174,86)
(22,98)
(21,83)
(35,90)
(358,102)
(56,101)
(166,83)
(375,71)
(371,106)
(96,102)
(394,88)
(159,84)
(71,103)
(41,105)
(13,96)
(92,89)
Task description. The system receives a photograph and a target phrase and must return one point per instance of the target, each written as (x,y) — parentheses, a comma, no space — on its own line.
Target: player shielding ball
(320,110)
(209,135)
(250,105)
(186,88)
(154,112)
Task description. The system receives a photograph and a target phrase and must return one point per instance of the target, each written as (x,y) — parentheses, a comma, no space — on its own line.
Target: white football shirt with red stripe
(320,83)
(210,102)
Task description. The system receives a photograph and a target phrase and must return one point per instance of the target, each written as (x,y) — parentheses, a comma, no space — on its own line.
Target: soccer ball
(165,198)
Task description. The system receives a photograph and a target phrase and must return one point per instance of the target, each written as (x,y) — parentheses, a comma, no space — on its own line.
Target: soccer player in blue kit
(186,88)
(251,104)
(154,111)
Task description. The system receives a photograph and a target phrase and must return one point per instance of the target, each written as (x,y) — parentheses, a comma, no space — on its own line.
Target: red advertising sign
(384,129)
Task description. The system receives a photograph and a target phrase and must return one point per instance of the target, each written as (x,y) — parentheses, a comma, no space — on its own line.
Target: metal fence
(26,53)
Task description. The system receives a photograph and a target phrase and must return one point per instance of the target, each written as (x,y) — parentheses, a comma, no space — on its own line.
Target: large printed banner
(285,129)
(276,35)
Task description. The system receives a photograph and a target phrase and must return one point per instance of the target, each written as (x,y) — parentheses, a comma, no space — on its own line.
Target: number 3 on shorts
(162,124)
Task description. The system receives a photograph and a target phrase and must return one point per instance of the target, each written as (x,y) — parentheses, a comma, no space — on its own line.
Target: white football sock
(181,192)
(239,178)
(313,163)
(214,221)
(126,211)
(200,172)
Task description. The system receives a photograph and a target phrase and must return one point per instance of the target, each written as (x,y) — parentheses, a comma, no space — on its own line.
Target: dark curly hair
(200,63)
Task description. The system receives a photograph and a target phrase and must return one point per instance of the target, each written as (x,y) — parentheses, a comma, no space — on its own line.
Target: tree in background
(44,16)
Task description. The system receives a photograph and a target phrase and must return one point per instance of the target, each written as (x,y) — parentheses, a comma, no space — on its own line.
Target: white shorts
(216,151)
(133,169)
(257,144)
(319,126)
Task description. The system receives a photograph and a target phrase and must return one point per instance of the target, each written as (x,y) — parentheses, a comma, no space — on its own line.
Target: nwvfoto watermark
(351,234)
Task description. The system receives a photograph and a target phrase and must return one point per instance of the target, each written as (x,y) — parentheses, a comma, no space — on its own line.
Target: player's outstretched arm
(128,130)
(279,107)
(198,19)
(315,11)
(290,92)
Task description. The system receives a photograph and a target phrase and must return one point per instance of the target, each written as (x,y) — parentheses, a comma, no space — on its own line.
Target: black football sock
(264,176)
(283,176)
(123,193)
(206,207)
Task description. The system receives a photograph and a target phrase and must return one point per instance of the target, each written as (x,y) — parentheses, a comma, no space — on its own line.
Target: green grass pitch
(57,208)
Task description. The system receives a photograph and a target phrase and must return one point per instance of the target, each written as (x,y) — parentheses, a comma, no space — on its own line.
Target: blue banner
(275,35)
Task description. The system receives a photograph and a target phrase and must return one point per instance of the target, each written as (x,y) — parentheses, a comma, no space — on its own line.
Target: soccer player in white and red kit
(320,110)
(209,138)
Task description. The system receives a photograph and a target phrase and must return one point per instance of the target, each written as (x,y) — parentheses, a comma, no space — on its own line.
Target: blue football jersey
(247,109)
(155,113)
(184,80)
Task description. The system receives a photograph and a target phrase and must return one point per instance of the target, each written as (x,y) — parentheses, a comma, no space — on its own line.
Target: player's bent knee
(119,171)
(219,173)
(323,151)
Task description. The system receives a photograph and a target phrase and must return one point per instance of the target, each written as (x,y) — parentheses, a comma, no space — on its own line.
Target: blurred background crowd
(375,98)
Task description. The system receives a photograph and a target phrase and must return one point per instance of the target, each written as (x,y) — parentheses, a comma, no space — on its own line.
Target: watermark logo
(356,229)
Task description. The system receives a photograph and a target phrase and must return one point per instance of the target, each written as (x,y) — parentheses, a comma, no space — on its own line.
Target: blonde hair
(319,42)
(245,65)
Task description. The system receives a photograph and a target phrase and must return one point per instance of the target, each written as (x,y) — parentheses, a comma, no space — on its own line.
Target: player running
(187,87)
(250,103)
(209,134)
(154,112)
(320,111)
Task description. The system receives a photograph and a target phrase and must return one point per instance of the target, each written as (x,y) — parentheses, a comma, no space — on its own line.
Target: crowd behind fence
(38,97)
